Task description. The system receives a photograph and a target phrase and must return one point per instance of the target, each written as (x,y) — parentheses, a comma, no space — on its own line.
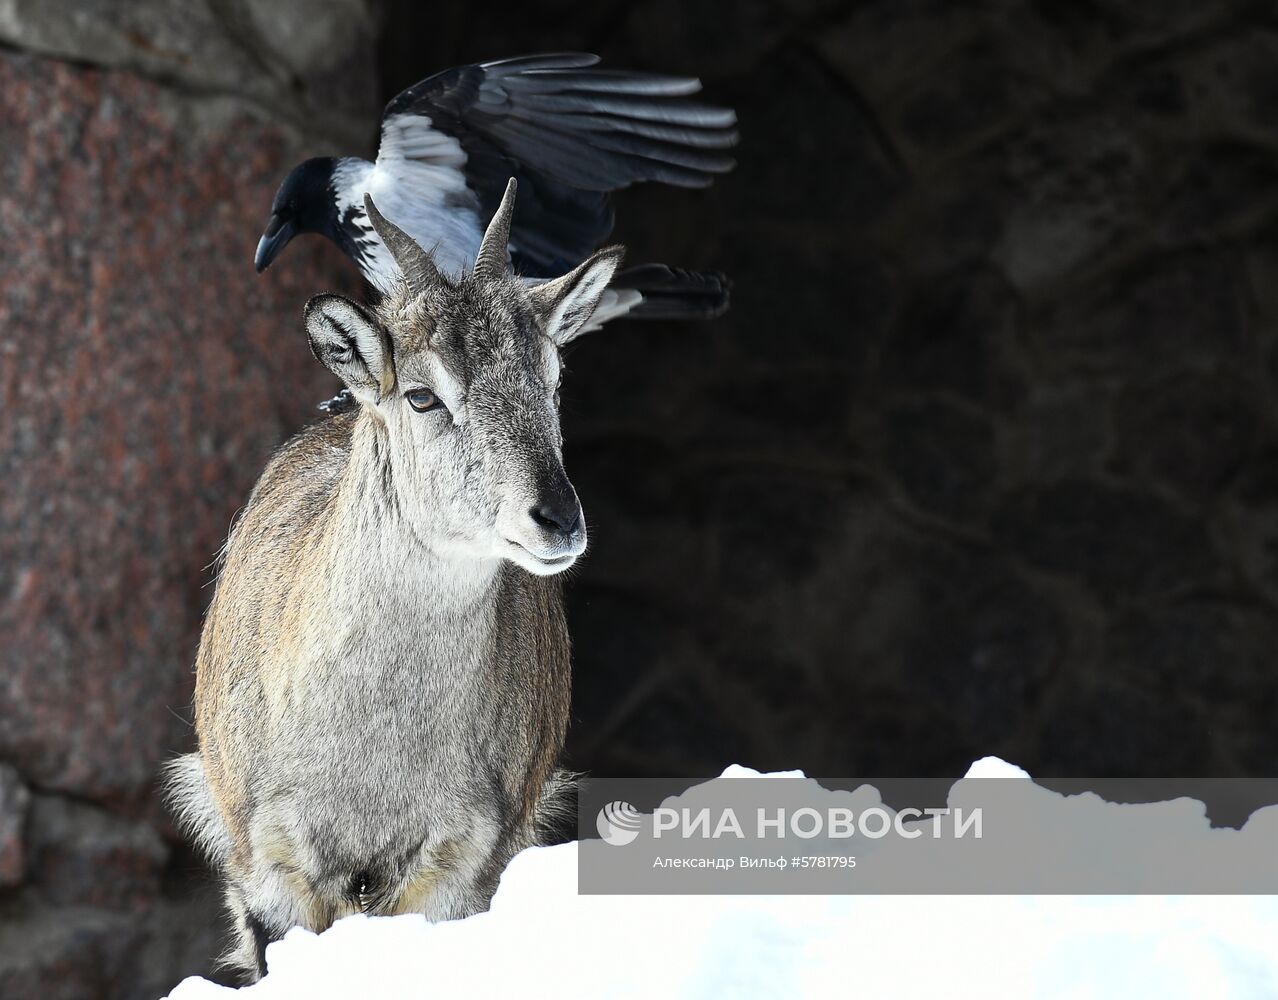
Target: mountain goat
(383,676)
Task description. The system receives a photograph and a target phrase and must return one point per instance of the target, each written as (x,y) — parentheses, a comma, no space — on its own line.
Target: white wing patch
(418,184)
(412,137)
(613,304)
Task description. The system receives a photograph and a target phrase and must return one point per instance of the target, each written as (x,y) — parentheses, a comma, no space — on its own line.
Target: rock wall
(146,372)
(983,458)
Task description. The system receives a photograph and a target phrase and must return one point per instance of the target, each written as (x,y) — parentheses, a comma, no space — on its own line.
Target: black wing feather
(696,137)
(570,133)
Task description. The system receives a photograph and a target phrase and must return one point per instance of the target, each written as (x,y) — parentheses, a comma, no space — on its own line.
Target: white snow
(992,767)
(541,939)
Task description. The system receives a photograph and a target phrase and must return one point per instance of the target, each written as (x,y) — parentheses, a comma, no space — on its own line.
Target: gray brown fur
(383,677)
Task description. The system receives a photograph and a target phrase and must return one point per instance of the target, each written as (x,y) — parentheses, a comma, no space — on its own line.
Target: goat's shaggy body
(346,765)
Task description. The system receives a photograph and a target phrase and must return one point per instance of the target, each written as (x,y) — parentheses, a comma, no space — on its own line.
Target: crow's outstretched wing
(570,132)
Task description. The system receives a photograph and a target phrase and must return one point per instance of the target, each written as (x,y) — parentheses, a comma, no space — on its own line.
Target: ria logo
(618,823)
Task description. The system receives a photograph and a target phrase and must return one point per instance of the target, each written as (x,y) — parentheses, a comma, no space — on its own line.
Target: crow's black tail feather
(671,293)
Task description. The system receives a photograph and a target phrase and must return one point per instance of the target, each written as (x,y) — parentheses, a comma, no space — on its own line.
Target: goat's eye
(422,400)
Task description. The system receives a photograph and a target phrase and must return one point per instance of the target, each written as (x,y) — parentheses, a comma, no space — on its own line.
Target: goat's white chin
(540,565)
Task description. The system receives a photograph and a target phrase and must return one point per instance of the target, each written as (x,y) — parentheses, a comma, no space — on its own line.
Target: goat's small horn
(418,266)
(491,259)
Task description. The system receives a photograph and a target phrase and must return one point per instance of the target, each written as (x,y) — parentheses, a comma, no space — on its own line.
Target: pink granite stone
(146,373)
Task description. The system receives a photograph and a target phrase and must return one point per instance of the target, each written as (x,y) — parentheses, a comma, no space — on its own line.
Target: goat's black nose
(561,518)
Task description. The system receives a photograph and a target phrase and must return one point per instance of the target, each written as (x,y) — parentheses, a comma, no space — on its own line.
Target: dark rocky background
(984,459)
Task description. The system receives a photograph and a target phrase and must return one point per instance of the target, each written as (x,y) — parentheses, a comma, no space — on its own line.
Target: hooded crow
(569,132)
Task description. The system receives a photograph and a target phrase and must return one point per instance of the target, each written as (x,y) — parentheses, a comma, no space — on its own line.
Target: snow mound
(992,767)
(541,939)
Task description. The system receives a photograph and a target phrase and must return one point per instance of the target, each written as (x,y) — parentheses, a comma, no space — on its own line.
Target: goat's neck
(375,548)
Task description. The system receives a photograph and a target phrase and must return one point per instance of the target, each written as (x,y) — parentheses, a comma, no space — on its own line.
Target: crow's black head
(303,204)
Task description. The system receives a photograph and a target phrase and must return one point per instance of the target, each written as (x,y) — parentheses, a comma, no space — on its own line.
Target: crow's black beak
(278,233)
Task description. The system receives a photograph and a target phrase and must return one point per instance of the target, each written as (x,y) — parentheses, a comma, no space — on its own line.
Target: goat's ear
(347,339)
(566,303)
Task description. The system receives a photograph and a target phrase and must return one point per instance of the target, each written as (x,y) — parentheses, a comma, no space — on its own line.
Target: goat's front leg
(266,899)
(247,953)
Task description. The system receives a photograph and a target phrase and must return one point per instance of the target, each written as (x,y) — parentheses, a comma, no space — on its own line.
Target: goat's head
(463,376)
